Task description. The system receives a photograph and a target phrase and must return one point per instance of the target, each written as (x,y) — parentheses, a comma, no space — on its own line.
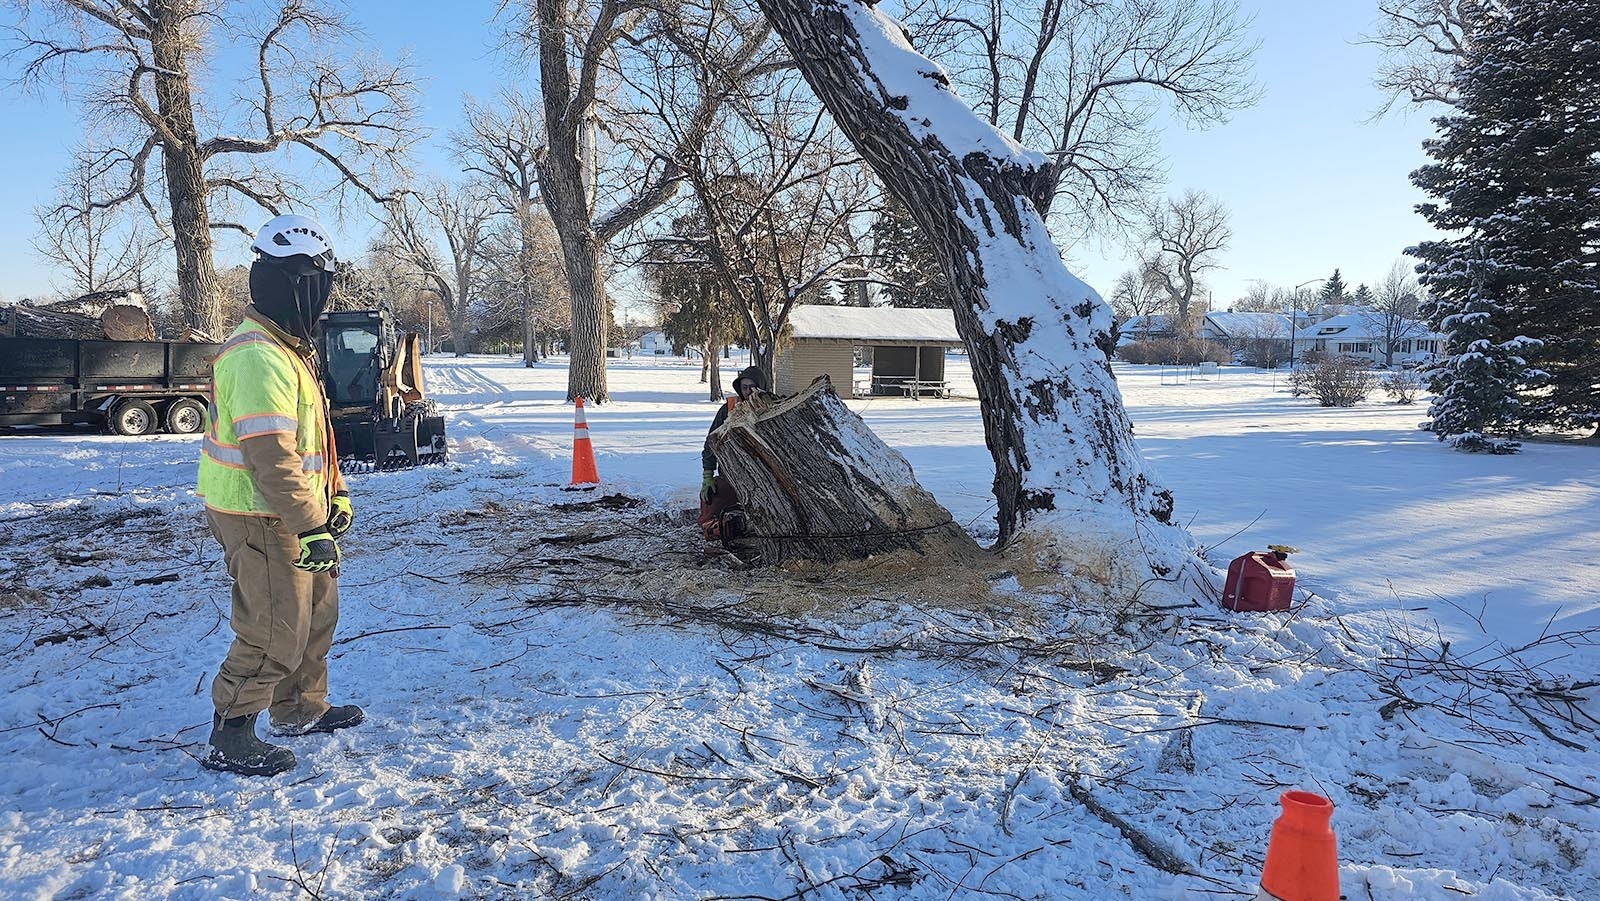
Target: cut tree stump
(125,322)
(817,484)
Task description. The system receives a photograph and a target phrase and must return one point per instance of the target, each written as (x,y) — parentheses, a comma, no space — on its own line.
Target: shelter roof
(868,324)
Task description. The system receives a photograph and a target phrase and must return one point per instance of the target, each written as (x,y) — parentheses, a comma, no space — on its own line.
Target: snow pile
(568,699)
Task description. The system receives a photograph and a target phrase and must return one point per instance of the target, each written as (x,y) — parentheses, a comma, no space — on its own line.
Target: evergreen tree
(904,259)
(1362,298)
(1516,174)
(1334,292)
(1476,385)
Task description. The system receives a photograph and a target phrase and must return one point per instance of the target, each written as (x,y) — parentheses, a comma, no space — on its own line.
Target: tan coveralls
(283,618)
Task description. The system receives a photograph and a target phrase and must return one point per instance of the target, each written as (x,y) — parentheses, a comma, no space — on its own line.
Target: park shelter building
(906,347)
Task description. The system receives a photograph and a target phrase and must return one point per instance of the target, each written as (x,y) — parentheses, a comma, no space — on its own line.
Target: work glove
(708,486)
(318,551)
(340,515)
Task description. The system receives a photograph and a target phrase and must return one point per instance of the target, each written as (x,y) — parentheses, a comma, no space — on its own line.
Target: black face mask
(292,292)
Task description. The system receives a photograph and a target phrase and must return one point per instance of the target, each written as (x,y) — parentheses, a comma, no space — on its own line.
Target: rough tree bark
(184,169)
(1068,477)
(817,484)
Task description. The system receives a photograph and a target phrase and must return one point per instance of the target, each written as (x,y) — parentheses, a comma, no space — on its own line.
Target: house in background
(655,343)
(906,347)
(1233,329)
(1154,327)
(1365,334)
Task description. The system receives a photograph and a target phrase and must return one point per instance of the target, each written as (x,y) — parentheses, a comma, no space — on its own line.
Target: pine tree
(1476,385)
(1334,292)
(1518,188)
(1362,298)
(905,260)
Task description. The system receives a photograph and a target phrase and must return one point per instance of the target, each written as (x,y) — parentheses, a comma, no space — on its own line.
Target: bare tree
(459,216)
(1068,476)
(502,144)
(1420,41)
(1084,82)
(1184,237)
(100,249)
(523,287)
(578,45)
(1394,315)
(139,62)
(1135,295)
(779,193)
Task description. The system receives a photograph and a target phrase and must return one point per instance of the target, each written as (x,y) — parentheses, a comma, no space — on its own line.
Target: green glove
(340,515)
(318,551)
(708,486)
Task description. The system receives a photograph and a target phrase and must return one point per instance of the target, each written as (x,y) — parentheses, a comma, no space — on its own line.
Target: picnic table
(915,388)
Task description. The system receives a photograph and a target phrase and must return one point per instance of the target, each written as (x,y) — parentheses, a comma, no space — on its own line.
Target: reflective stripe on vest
(264,424)
(225,480)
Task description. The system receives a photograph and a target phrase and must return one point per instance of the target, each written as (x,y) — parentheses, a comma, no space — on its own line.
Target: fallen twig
(1147,847)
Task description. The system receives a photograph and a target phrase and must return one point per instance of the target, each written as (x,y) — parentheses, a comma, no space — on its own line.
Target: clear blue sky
(1310,183)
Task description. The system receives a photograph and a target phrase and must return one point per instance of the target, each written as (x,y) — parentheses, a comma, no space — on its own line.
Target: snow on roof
(1250,325)
(1362,324)
(866,324)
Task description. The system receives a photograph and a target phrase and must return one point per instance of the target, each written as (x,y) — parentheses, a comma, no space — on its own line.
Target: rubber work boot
(341,717)
(236,749)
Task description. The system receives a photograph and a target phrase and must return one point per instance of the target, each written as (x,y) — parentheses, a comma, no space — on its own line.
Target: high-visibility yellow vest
(259,386)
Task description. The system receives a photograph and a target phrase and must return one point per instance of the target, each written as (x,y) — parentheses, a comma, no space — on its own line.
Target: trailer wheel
(185,417)
(133,416)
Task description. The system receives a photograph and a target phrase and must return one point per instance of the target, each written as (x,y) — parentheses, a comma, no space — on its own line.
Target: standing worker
(274,500)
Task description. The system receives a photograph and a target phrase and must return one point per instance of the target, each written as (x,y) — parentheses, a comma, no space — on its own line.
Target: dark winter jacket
(708,460)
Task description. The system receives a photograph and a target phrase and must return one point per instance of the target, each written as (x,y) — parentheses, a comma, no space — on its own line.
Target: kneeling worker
(275,501)
(721,517)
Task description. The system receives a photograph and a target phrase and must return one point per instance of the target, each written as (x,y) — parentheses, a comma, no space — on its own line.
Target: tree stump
(817,484)
(125,322)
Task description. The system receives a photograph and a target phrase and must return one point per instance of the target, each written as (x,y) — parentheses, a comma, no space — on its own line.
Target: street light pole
(1294,315)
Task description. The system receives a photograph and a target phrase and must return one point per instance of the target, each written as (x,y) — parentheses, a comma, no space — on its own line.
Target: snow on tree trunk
(817,484)
(1069,481)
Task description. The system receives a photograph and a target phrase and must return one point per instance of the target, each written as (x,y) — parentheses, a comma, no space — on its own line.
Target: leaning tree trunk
(184,171)
(1068,476)
(714,372)
(817,484)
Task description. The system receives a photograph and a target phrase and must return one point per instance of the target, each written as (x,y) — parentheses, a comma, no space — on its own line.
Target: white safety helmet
(294,235)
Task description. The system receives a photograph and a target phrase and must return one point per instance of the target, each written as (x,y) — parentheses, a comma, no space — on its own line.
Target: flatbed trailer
(128,387)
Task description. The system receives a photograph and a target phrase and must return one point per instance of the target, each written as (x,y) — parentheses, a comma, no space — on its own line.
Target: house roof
(1250,325)
(1153,323)
(868,324)
(1360,325)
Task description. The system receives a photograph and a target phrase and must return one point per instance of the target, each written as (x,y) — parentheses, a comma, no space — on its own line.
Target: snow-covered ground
(567,699)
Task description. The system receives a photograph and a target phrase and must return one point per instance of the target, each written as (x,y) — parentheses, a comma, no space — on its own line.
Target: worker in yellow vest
(275,501)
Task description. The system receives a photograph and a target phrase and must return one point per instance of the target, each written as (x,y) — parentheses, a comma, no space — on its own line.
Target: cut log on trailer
(125,322)
(116,322)
(817,484)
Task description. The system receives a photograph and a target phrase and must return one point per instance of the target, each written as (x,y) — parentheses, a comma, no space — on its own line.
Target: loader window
(354,364)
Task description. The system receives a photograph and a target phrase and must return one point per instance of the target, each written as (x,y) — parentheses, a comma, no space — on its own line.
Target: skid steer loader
(381,417)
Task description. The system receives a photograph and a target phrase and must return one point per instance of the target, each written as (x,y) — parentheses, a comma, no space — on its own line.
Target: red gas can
(1260,580)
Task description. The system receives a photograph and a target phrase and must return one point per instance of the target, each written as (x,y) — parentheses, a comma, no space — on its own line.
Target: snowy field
(566,699)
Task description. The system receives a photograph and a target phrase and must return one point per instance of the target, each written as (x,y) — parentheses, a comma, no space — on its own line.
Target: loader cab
(356,349)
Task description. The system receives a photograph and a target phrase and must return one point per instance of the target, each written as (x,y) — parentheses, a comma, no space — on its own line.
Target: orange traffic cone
(583,471)
(1302,860)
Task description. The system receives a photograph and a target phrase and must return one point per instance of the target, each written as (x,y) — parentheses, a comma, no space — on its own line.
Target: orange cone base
(1302,857)
(584,475)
